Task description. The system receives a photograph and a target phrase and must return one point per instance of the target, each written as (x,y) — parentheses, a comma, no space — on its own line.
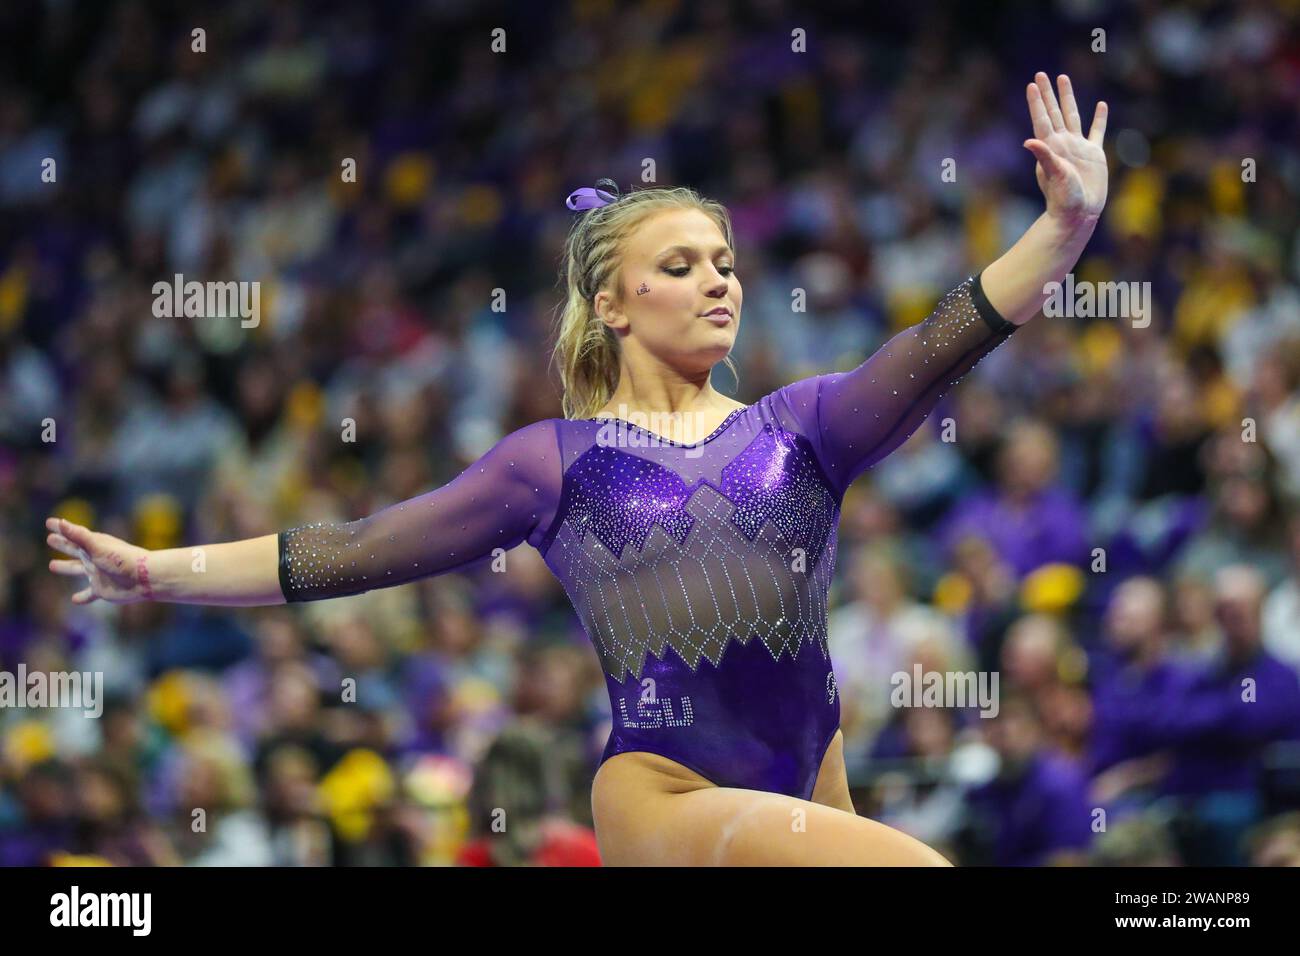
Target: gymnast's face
(676,268)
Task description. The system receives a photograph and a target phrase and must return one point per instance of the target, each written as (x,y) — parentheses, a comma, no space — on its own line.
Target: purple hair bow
(588,198)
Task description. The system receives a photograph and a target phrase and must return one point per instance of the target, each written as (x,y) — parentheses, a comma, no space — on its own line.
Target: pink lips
(721,315)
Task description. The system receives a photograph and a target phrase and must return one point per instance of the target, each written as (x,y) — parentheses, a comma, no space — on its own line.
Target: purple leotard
(700,572)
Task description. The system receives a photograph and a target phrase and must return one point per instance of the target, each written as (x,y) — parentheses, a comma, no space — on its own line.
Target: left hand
(1071,168)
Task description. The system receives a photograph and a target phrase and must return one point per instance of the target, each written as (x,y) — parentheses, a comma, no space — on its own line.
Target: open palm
(112,567)
(1071,168)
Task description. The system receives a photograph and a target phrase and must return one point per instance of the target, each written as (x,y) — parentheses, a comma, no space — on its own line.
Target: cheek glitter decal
(643,290)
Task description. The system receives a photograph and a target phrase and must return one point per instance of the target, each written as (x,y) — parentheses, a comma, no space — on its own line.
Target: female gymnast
(698,564)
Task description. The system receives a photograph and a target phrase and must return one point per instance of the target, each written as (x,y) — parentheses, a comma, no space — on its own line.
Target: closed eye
(680,271)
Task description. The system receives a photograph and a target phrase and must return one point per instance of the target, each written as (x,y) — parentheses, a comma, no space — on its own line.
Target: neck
(665,391)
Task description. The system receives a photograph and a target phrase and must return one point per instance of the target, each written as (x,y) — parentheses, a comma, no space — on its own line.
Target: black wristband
(985,308)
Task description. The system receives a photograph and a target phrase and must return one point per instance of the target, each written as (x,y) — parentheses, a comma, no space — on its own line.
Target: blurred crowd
(1114,530)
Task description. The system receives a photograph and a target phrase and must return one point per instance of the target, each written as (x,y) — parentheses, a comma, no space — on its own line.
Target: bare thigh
(650,811)
(832,786)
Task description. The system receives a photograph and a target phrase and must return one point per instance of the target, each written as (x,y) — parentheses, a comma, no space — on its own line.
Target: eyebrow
(690,251)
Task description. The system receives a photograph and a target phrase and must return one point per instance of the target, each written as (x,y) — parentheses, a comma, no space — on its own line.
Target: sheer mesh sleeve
(859,417)
(506,497)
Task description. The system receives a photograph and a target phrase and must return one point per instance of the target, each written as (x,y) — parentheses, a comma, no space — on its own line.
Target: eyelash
(680,271)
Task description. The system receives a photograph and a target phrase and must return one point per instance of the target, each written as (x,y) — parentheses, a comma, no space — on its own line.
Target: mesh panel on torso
(692,547)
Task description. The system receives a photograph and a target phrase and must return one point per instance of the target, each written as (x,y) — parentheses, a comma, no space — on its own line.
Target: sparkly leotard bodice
(700,572)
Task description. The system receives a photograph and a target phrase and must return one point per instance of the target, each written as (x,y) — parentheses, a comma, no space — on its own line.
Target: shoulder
(798,394)
(535,436)
(795,405)
(530,454)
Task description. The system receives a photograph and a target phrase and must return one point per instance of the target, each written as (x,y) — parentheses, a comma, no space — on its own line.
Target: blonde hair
(586,349)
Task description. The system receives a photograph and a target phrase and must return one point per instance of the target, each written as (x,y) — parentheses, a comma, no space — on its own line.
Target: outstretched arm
(506,497)
(237,573)
(859,417)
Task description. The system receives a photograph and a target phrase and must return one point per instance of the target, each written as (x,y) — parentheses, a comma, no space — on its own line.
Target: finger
(1049,101)
(68,568)
(1038,112)
(86,596)
(1069,108)
(59,543)
(1098,130)
(1050,162)
(76,533)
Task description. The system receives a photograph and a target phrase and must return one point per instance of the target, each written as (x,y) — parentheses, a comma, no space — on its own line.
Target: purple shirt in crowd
(1036,813)
(1051,527)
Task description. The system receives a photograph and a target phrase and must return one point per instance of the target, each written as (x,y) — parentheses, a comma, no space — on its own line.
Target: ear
(609,311)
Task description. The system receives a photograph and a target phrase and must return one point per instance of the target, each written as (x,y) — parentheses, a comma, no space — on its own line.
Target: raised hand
(117,571)
(1071,168)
